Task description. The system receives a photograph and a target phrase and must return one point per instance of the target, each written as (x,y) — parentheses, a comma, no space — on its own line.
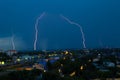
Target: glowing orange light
(28,69)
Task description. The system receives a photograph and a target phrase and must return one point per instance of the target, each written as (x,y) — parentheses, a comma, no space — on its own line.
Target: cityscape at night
(60,40)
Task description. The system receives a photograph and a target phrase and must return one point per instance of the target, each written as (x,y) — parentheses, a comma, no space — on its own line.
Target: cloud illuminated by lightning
(36,29)
(13,43)
(5,43)
(71,22)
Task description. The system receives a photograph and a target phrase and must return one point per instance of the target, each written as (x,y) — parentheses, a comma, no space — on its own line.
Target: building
(11,52)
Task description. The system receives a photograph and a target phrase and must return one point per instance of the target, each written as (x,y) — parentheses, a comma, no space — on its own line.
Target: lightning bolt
(36,29)
(73,23)
(13,44)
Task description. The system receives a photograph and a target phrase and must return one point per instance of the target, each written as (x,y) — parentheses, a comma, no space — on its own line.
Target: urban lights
(81,67)
(2,63)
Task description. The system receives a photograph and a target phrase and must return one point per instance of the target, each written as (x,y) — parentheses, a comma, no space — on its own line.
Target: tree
(49,65)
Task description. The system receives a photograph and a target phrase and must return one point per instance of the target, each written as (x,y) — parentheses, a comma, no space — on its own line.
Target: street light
(81,67)
(2,62)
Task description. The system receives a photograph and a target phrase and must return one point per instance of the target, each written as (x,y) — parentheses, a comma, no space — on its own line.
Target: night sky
(100,20)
